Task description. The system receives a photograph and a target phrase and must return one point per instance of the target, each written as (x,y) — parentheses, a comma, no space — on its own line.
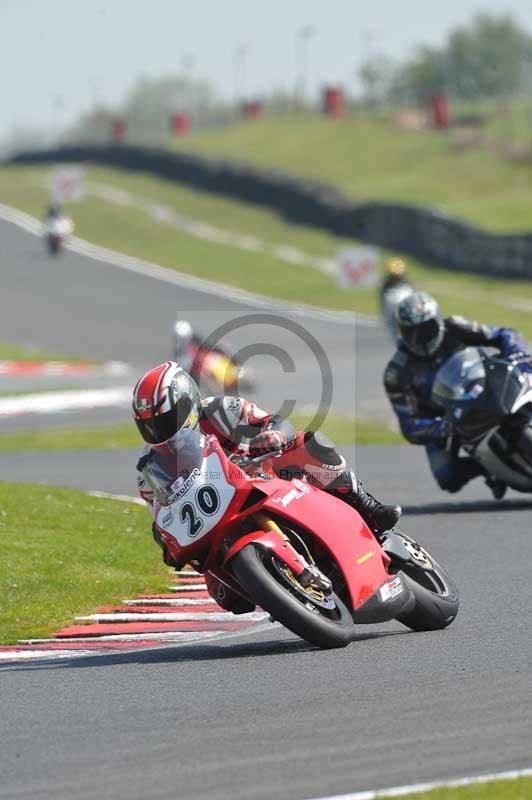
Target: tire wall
(422,233)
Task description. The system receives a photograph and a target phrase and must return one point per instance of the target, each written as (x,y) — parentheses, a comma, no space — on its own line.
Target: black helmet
(54,210)
(420,323)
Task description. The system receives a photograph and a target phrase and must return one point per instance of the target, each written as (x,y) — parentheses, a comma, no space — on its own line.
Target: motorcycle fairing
(273,541)
(200,507)
(477,390)
(331,521)
(340,529)
(509,467)
(387,601)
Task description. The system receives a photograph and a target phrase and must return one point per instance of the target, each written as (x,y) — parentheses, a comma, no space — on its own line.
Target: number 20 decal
(208,502)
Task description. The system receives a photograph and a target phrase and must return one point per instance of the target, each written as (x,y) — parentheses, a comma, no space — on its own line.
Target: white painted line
(163,636)
(177,616)
(180,601)
(202,230)
(417,788)
(28,654)
(164,642)
(126,498)
(226,291)
(54,402)
(188,587)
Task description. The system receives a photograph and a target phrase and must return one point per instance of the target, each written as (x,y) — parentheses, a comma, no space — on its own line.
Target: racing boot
(379,517)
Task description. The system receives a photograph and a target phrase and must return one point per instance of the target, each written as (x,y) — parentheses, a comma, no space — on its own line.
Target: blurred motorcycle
(488,401)
(212,365)
(395,287)
(57,227)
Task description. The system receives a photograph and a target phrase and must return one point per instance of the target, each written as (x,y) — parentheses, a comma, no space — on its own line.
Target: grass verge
(371,158)
(64,553)
(517,789)
(15,352)
(115,437)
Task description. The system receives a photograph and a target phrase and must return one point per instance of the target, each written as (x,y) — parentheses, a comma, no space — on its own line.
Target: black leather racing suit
(408,380)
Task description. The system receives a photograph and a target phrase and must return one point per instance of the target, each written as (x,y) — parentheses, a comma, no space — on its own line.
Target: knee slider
(320,447)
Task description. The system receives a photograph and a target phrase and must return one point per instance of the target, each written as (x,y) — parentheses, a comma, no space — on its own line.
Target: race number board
(357,268)
(67,184)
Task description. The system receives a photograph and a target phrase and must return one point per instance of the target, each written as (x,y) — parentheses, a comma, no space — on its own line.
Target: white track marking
(417,788)
(54,368)
(125,498)
(54,402)
(160,642)
(29,654)
(177,616)
(207,232)
(188,587)
(223,290)
(181,601)
(163,636)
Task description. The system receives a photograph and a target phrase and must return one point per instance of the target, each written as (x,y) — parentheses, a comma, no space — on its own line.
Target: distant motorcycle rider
(394,288)
(426,342)
(188,342)
(394,276)
(56,213)
(166,399)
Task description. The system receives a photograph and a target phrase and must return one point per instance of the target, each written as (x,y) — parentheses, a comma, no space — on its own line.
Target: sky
(60,57)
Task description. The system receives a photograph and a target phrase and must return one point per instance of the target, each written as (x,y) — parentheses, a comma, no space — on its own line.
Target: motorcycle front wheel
(321,619)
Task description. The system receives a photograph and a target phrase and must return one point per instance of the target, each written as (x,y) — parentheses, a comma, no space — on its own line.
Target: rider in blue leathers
(426,342)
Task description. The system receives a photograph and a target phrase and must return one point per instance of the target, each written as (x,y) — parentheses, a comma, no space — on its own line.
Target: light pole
(302,60)
(239,62)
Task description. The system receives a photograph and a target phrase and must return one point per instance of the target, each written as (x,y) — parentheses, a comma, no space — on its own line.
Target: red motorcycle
(304,556)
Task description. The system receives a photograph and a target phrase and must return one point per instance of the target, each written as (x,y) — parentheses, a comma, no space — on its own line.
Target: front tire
(261,577)
(436,593)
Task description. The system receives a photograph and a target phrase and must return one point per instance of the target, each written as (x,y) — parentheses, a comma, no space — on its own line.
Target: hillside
(373,159)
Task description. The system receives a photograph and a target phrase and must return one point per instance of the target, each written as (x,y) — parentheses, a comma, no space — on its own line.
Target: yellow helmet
(395,266)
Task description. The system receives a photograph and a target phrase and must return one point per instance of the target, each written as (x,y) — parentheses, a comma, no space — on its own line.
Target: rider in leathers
(426,342)
(158,402)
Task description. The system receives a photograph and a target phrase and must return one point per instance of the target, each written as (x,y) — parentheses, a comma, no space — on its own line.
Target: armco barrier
(422,233)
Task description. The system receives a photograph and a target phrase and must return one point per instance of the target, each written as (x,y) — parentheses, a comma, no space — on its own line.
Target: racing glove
(267,442)
(441,429)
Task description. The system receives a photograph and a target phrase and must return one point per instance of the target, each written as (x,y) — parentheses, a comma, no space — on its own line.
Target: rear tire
(524,444)
(436,594)
(53,245)
(251,568)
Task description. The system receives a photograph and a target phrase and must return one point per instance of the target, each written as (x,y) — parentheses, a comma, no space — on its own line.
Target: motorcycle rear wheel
(54,245)
(524,444)
(436,593)
(325,628)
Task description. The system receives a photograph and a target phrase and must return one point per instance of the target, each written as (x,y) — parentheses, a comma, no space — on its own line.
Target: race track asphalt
(267,716)
(84,307)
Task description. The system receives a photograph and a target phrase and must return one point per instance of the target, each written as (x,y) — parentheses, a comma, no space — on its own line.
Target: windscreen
(173,463)
(462,377)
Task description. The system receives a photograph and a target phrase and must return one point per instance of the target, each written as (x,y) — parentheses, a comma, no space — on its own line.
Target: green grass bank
(64,553)
(116,437)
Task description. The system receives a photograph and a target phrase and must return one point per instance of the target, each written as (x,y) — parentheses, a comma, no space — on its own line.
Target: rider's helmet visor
(158,428)
(424,338)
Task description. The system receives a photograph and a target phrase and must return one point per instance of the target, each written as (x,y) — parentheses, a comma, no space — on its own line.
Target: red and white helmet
(165,400)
